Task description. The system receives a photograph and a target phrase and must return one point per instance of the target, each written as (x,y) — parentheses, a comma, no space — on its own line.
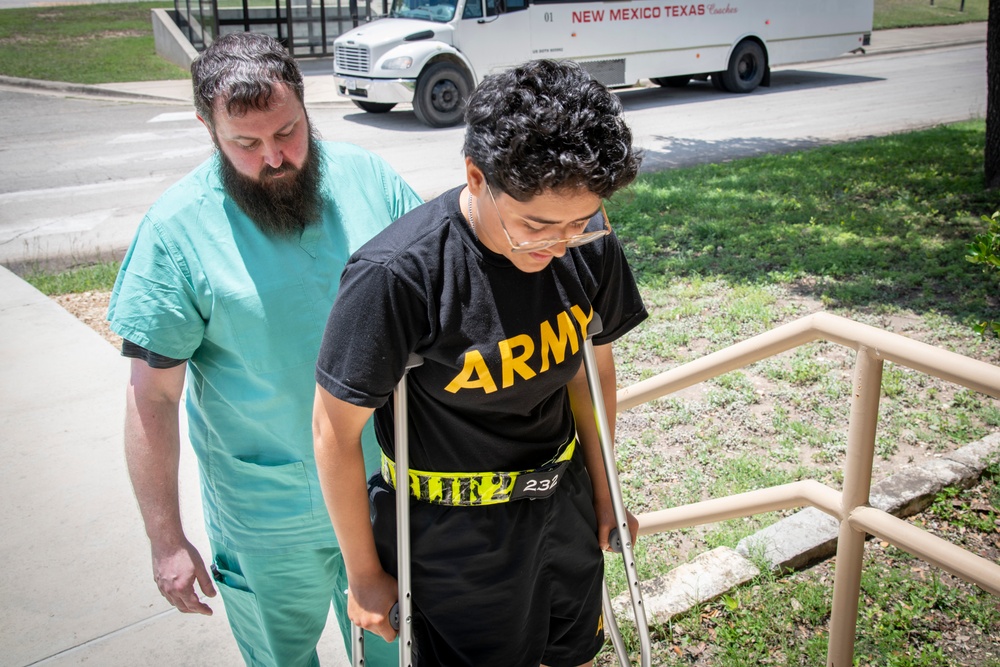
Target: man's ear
(475,178)
(211,132)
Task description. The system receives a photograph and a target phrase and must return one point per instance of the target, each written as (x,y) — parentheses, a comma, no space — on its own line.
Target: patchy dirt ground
(91,308)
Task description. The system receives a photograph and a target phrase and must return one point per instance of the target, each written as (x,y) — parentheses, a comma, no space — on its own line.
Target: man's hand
(175,571)
(606,522)
(370,607)
(337,427)
(590,440)
(152,452)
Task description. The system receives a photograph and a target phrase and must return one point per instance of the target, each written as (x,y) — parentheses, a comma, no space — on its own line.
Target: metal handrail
(851,506)
(306,28)
(950,366)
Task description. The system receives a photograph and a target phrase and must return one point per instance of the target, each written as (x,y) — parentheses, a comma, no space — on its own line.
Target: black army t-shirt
(498,345)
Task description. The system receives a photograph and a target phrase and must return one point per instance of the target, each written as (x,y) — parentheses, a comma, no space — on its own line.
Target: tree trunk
(992,153)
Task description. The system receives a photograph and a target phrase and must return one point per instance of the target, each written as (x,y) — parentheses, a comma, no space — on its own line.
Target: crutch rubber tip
(615,541)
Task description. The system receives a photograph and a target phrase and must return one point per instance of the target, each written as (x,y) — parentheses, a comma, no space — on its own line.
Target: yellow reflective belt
(468,489)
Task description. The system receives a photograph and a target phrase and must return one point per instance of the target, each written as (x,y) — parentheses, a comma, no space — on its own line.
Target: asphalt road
(78,173)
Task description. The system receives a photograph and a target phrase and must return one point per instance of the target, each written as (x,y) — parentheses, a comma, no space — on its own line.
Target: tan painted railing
(850,506)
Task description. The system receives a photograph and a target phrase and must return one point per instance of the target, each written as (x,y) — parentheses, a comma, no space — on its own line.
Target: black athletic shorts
(508,585)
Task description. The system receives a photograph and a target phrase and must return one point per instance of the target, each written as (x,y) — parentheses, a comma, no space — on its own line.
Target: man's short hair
(240,69)
(549,125)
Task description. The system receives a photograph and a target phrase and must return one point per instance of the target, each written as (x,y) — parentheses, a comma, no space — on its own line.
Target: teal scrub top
(201,282)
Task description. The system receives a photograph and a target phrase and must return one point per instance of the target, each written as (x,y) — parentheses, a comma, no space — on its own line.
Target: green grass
(95,277)
(879,224)
(88,44)
(909,13)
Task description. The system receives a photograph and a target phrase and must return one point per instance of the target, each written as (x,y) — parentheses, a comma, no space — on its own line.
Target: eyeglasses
(571,242)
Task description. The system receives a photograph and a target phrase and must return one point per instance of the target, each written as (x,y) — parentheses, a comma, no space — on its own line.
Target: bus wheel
(671,81)
(441,93)
(374,107)
(746,68)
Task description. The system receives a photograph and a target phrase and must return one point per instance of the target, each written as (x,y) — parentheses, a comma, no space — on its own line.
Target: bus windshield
(430,10)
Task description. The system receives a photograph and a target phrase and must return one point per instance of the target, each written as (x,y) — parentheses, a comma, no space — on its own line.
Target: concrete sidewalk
(76,585)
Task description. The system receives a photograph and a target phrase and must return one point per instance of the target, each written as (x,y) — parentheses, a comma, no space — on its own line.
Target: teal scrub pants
(278,605)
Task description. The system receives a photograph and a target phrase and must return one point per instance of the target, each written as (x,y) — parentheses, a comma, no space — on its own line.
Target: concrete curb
(82,89)
(806,537)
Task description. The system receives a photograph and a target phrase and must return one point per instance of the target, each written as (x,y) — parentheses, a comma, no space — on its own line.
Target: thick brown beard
(279,207)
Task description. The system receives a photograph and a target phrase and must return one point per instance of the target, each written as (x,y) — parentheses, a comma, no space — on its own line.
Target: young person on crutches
(493,284)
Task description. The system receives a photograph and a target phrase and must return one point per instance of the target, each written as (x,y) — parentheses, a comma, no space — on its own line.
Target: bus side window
(473,10)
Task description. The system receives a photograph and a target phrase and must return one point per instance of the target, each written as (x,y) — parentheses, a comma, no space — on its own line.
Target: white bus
(432,53)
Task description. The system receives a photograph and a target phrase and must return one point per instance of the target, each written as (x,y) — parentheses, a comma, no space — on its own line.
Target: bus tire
(718,83)
(746,67)
(442,90)
(374,107)
(671,81)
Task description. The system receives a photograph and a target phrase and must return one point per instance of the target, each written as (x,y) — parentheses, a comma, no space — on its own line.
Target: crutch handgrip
(358,637)
(615,541)
(394,617)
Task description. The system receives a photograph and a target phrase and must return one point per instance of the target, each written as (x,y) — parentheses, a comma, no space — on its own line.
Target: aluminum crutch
(623,546)
(401,615)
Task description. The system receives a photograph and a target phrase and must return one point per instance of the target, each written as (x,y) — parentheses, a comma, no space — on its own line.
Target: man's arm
(337,427)
(152,452)
(586,428)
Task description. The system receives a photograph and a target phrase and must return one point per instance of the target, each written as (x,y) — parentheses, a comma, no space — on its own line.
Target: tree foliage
(985,251)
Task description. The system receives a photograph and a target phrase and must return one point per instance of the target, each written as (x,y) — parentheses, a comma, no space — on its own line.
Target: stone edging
(805,537)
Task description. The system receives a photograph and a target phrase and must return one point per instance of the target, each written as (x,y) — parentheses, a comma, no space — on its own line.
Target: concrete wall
(171,43)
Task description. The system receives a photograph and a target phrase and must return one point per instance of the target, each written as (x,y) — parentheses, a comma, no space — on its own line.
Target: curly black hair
(548,125)
(241,69)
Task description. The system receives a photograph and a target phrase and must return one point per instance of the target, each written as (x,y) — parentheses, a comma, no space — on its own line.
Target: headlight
(403,62)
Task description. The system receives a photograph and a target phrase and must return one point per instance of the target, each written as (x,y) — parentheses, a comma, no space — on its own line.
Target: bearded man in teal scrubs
(227,286)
